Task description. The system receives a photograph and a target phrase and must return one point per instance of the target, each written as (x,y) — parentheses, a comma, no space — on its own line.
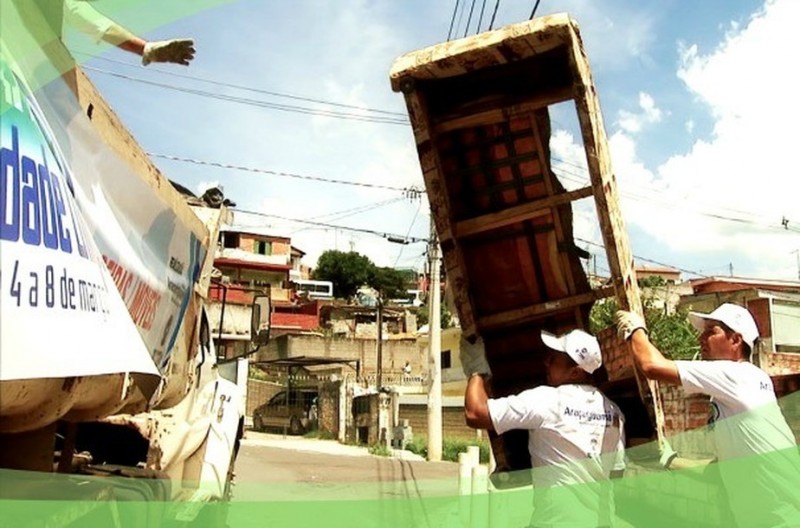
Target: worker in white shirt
(576,440)
(763,486)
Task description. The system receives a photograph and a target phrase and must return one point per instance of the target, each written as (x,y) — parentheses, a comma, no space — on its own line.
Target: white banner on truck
(154,256)
(60,312)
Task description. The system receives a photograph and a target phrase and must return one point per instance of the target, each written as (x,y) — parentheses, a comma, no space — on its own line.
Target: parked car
(293,411)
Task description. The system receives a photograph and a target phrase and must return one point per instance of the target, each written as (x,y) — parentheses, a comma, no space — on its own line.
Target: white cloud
(634,122)
(745,169)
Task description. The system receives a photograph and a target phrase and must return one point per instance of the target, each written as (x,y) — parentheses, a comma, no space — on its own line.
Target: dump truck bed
(479,110)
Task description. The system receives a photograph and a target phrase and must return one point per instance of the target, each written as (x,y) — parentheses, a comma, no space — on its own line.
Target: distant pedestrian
(407,369)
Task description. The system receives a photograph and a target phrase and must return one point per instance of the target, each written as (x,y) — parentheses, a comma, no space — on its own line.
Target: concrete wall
(453,424)
(395,352)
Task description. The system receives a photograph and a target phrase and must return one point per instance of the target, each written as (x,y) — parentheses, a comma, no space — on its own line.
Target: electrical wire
(410,192)
(494,14)
(410,227)
(389,236)
(480,18)
(645,259)
(469,18)
(535,7)
(258,103)
(452,21)
(243,87)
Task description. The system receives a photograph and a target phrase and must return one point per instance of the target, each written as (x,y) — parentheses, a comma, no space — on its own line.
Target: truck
(480,110)
(110,387)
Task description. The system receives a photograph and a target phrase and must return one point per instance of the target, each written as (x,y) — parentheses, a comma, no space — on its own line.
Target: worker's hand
(628,323)
(179,51)
(473,358)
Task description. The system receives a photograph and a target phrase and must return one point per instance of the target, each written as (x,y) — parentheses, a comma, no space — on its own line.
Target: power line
(644,259)
(245,88)
(480,18)
(452,21)
(460,17)
(339,215)
(409,192)
(469,18)
(494,14)
(389,236)
(535,7)
(258,103)
(410,227)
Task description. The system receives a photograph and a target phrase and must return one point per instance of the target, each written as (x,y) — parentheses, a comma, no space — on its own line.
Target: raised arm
(647,357)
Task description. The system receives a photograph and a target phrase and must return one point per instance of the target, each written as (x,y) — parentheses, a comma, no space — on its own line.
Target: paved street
(287,467)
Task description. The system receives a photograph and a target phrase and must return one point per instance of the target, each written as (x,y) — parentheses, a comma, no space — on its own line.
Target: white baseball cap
(583,348)
(735,317)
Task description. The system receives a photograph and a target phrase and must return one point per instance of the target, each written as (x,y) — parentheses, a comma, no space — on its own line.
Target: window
(230,240)
(262,247)
(446,359)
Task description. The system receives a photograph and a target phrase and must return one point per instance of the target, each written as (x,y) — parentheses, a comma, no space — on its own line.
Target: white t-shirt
(575,440)
(763,490)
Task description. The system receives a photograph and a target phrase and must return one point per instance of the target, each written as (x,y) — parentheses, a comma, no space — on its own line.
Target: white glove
(628,323)
(179,51)
(473,358)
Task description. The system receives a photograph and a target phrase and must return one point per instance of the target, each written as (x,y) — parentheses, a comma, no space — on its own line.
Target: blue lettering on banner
(32,204)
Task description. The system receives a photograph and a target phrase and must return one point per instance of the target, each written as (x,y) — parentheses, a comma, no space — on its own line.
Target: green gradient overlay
(32,37)
(647,496)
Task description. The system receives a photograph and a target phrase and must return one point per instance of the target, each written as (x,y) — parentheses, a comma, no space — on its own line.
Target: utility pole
(435,355)
(379,343)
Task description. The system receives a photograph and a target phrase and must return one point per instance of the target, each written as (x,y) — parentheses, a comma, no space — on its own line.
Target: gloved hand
(179,51)
(473,358)
(628,323)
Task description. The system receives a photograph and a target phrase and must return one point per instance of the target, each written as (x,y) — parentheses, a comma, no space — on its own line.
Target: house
(249,264)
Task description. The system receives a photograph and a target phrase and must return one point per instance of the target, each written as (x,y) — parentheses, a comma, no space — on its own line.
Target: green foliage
(389,282)
(671,333)
(320,435)
(451,447)
(380,449)
(348,271)
(444,313)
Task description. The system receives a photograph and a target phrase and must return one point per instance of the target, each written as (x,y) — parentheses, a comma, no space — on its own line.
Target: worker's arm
(476,406)
(647,357)
(87,19)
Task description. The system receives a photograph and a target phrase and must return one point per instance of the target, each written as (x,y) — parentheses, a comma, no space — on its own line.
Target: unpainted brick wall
(616,356)
(685,420)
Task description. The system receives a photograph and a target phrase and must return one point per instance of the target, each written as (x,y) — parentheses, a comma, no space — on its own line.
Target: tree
(348,271)
(671,333)
(388,282)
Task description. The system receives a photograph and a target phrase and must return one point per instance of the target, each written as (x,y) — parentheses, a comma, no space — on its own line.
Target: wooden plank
(530,313)
(519,213)
(499,115)
(618,253)
(548,177)
(452,258)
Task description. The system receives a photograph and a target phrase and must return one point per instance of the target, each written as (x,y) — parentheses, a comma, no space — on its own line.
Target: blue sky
(698,108)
